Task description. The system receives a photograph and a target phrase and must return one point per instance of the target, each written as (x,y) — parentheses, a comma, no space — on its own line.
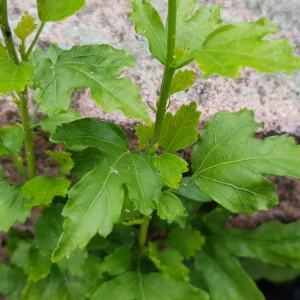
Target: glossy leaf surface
(230,164)
(92,66)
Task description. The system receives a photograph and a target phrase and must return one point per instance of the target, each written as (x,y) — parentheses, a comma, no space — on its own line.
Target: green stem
(6,32)
(28,133)
(168,72)
(35,40)
(144,231)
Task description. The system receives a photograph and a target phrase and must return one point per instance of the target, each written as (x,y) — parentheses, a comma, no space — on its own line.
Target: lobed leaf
(92,66)
(179,131)
(44,188)
(57,10)
(230,165)
(181,81)
(25,27)
(144,133)
(14,77)
(169,207)
(133,285)
(230,47)
(224,276)
(171,168)
(64,159)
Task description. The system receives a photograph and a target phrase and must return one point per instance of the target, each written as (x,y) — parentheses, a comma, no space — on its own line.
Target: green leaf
(3,52)
(18,249)
(25,27)
(189,190)
(181,81)
(169,261)
(75,263)
(148,23)
(84,133)
(259,270)
(96,201)
(86,160)
(56,286)
(169,207)
(96,67)
(57,10)
(224,276)
(193,26)
(273,242)
(132,285)
(118,262)
(144,133)
(179,131)
(14,77)
(49,124)
(64,159)
(38,264)
(49,227)
(38,54)
(231,47)
(186,240)
(2,174)
(13,206)
(44,188)
(12,281)
(171,168)
(229,164)
(11,140)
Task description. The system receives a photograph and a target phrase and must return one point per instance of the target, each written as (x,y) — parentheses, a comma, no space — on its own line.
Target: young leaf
(49,124)
(171,168)
(14,77)
(181,81)
(169,261)
(169,207)
(13,206)
(57,10)
(25,27)
(231,47)
(118,262)
(64,159)
(273,242)
(44,188)
(133,285)
(96,201)
(224,276)
(144,133)
(96,67)
(148,23)
(186,240)
(11,140)
(193,26)
(3,53)
(229,164)
(179,131)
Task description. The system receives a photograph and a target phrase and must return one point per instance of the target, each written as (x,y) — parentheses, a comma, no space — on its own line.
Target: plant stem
(34,40)
(144,231)
(6,32)
(28,133)
(168,72)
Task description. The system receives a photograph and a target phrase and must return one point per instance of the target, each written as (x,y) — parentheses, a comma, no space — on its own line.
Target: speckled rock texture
(275,99)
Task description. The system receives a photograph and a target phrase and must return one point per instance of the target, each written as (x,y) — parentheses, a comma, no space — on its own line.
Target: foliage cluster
(121,224)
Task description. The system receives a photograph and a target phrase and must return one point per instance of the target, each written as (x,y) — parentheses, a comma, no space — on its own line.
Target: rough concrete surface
(274,98)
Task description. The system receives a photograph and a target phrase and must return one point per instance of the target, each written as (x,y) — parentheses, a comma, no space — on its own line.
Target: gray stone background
(274,98)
